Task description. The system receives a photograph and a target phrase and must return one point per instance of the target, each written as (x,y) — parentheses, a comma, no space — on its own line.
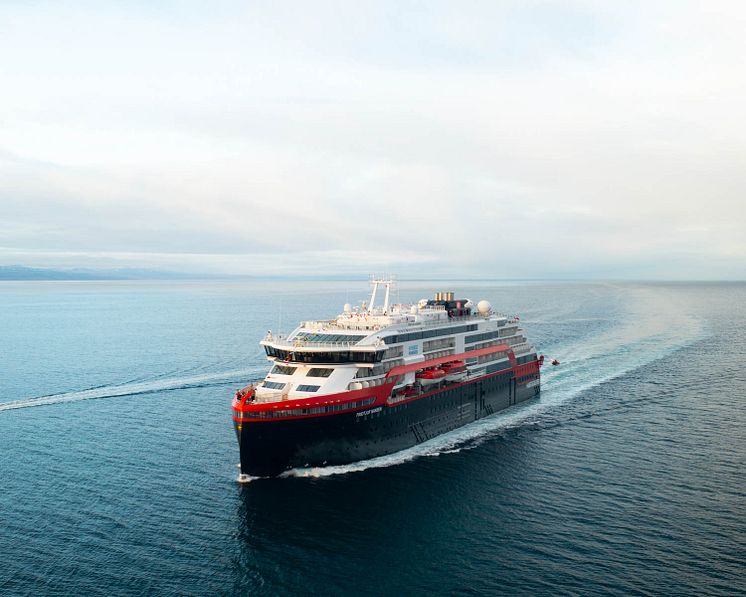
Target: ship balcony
(270,397)
(368,382)
(256,394)
(249,394)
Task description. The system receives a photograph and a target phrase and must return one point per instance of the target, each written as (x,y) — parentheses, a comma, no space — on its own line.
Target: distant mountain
(19,272)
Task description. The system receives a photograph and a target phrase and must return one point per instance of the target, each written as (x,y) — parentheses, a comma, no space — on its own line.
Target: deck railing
(284,342)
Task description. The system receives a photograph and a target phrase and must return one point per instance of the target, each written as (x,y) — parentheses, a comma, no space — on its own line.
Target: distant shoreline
(17,273)
(31,274)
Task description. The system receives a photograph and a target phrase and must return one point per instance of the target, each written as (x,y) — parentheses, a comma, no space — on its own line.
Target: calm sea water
(118,459)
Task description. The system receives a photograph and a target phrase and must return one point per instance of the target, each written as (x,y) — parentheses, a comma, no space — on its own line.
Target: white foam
(244,479)
(130,389)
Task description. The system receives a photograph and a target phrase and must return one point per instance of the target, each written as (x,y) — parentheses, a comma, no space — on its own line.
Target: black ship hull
(269,447)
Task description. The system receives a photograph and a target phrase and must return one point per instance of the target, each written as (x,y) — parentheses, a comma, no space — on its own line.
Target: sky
(498,139)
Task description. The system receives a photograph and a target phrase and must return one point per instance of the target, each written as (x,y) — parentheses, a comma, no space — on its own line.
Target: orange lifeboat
(430,376)
(455,370)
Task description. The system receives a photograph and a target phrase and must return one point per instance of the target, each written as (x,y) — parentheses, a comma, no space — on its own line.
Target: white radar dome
(422,303)
(484,307)
(347,308)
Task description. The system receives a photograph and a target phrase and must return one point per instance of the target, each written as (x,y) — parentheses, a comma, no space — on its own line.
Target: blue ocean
(118,457)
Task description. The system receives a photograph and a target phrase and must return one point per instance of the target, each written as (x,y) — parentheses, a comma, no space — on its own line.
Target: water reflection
(306,534)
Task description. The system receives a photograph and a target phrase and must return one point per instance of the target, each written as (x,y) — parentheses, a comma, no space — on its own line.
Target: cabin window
(481,337)
(307,388)
(496,367)
(319,372)
(282,370)
(431,345)
(394,352)
(460,329)
(273,385)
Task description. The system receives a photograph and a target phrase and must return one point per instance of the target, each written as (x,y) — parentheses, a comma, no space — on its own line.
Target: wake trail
(135,388)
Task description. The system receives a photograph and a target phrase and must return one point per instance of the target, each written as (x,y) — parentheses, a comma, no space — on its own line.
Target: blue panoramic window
(430,333)
(481,337)
(308,337)
(337,356)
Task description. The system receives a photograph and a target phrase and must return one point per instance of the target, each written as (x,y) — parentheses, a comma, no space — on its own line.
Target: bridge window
(319,372)
(342,356)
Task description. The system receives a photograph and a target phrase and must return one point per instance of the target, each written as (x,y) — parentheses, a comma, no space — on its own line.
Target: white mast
(387,282)
(374,282)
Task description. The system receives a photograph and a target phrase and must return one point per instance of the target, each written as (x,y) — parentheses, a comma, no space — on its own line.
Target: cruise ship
(380,378)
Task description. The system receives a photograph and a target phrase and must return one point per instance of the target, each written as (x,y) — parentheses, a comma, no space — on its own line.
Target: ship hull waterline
(269,447)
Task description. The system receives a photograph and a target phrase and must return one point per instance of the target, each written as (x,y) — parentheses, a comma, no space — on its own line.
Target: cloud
(512,139)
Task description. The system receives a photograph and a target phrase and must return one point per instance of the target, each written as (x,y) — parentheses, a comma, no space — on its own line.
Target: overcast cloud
(498,139)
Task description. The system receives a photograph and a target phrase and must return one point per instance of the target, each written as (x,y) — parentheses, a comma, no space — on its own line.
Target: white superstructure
(357,348)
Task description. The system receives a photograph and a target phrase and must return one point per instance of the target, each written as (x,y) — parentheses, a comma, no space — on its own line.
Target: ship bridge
(306,347)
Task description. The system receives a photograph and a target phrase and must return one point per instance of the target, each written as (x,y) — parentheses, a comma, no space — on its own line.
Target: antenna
(279,319)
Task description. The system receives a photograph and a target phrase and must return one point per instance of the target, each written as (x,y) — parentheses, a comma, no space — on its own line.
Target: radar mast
(388,282)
